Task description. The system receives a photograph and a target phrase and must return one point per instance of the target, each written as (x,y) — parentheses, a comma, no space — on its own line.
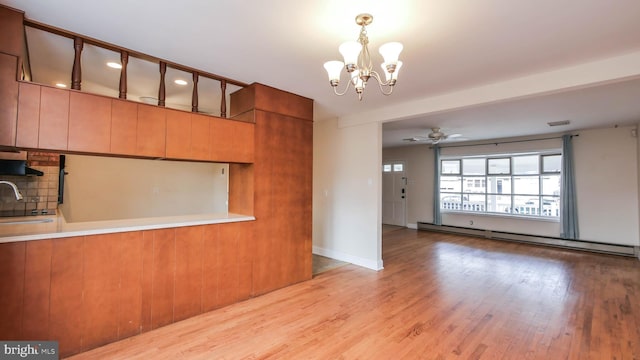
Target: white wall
(606,165)
(106,188)
(607,185)
(418,161)
(347,192)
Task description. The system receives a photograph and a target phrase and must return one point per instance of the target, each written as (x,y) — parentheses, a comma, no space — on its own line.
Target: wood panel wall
(88,291)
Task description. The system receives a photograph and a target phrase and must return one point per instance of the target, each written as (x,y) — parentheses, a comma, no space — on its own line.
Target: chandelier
(357,62)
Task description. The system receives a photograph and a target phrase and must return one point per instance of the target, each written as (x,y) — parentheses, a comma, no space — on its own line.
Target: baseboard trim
(412,226)
(355,260)
(535,239)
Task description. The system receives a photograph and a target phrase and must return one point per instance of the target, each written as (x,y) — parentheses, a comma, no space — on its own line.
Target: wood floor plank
(440,296)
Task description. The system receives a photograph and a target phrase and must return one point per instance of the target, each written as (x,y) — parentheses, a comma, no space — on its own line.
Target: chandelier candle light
(357,61)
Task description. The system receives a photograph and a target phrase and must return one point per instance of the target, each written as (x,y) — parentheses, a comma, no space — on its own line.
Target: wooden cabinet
(89,123)
(231,141)
(151,131)
(200,138)
(28,115)
(54,119)
(178,134)
(8,99)
(124,127)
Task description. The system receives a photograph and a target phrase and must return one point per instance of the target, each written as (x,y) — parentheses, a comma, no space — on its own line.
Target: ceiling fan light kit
(357,62)
(435,136)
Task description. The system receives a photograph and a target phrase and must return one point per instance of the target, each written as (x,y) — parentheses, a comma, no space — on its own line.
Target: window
(518,184)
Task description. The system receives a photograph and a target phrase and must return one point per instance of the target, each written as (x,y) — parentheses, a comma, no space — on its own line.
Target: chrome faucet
(15,188)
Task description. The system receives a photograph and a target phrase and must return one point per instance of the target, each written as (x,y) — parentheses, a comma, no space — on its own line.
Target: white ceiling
(485,69)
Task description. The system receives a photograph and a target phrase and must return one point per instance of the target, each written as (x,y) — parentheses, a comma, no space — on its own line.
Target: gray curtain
(437,217)
(568,200)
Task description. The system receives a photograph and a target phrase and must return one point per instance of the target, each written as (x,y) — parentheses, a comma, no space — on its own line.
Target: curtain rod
(503,142)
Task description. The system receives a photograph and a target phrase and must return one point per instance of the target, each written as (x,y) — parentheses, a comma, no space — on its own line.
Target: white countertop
(57,227)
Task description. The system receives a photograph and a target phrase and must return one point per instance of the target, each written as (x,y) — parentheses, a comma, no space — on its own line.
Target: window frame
(516,204)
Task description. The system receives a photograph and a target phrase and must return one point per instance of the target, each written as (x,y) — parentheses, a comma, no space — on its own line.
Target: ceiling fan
(435,136)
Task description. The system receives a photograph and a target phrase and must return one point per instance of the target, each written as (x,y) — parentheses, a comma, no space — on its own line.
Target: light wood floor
(440,296)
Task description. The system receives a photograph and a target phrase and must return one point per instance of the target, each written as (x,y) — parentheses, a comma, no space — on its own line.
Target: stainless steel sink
(25,221)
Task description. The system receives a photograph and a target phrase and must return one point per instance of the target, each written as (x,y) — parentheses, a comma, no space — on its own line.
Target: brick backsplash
(40,192)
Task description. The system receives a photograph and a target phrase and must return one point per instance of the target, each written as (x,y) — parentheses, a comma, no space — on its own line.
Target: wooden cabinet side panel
(178,144)
(65,313)
(54,119)
(151,131)
(188,278)
(100,290)
(89,123)
(8,99)
(28,115)
(12,263)
(37,280)
(124,123)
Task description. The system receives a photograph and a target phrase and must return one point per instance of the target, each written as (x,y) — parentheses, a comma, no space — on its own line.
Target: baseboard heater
(535,239)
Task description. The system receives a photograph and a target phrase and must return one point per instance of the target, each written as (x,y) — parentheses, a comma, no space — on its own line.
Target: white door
(394,193)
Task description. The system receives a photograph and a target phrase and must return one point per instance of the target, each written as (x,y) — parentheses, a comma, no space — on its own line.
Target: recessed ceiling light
(180,82)
(114,65)
(61,85)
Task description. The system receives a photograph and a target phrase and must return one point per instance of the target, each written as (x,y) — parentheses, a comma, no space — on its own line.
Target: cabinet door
(8,99)
(178,134)
(89,123)
(243,145)
(200,137)
(28,115)
(150,140)
(231,141)
(124,123)
(54,119)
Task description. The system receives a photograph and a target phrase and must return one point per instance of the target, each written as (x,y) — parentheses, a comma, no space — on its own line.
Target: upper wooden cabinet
(124,127)
(151,131)
(54,119)
(28,115)
(178,134)
(8,99)
(89,123)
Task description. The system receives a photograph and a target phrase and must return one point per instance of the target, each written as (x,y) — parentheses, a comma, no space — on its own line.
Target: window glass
(386,167)
(450,167)
(474,185)
(551,185)
(527,164)
(499,184)
(499,166)
(398,167)
(451,183)
(551,163)
(451,201)
(473,166)
(526,184)
(499,203)
(473,202)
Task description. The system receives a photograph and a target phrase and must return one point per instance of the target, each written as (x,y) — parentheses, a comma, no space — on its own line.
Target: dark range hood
(17,168)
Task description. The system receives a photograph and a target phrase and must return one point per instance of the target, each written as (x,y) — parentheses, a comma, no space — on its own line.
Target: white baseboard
(412,226)
(355,260)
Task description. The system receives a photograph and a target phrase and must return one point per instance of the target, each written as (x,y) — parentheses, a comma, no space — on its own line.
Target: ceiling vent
(559,123)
